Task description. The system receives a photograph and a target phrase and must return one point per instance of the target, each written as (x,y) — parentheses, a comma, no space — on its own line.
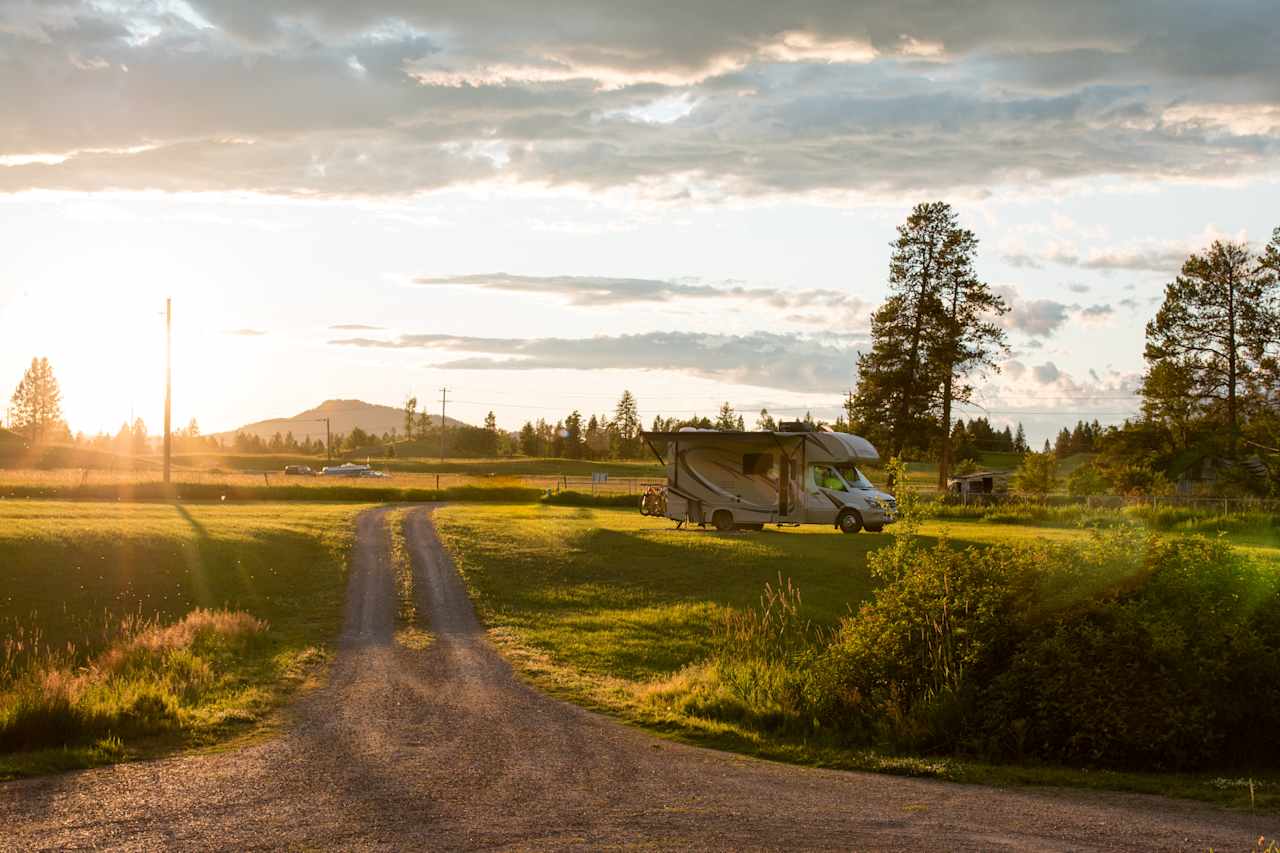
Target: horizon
(381,202)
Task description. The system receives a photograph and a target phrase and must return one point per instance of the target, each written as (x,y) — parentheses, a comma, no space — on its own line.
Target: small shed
(980,483)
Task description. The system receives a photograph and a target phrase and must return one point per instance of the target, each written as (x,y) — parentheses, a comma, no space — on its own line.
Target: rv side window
(759,464)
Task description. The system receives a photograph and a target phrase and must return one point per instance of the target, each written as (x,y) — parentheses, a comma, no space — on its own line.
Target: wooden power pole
(444,396)
(168,386)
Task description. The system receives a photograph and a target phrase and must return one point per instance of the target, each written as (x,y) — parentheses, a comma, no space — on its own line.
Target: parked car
(299,470)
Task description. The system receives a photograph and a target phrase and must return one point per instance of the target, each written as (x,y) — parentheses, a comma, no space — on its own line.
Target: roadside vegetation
(1133,660)
(133,629)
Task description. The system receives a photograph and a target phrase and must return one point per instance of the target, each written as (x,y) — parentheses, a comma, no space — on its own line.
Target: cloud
(355,327)
(246,333)
(1042,318)
(594,291)
(1034,317)
(785,361)
(1164,257)
(1076,287)
(322,98)
(1046,373)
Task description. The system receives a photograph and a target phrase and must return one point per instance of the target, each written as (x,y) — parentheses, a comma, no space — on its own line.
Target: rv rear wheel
(849,521)
(723,520)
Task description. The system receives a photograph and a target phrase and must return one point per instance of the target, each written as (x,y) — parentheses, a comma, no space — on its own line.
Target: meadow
(134,629)
(747,641)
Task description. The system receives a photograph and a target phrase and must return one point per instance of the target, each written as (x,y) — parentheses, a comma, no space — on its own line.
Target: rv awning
(785,441)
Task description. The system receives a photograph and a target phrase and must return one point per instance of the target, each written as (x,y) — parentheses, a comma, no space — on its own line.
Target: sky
(539,205)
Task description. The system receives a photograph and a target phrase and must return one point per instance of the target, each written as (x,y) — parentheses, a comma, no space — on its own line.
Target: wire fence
(1208,504)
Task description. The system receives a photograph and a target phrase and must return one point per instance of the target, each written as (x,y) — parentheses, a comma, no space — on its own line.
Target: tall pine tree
(1214,326)
(36,405)
(966,337)
(896,386)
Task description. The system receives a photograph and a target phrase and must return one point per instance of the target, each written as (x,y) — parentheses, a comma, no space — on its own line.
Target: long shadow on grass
(640,603)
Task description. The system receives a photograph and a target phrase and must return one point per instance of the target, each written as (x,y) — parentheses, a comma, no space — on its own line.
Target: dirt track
(446,749)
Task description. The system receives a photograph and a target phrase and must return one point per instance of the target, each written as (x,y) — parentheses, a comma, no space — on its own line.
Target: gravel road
(445,749)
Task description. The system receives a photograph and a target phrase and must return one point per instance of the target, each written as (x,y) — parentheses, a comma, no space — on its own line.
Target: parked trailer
(746,480)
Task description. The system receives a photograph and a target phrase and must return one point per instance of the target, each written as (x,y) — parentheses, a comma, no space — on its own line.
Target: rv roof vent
(795,426)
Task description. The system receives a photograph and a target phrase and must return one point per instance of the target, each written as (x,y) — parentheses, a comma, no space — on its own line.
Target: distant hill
(343,416)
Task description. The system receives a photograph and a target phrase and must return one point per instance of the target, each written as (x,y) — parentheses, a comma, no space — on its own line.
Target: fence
(1223,505)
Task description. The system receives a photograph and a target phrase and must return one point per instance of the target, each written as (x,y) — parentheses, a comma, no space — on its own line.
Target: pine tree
(410,408)
(573,435)
(933,330)
(967,337)
(37,402)
(528,439)
(1020,440)
(626,428)
(895,389)
(727,420)
(1214,324)
(766,422)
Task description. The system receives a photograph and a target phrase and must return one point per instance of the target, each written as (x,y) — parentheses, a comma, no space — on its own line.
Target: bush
(1126,652)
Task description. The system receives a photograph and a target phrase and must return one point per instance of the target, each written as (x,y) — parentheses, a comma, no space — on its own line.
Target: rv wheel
(723,520)
(849,522)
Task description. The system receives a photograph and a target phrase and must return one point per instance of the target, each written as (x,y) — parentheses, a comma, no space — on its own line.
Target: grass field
(610,609)
(133,629)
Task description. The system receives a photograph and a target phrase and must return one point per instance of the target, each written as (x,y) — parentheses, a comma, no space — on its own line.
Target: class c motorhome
(746,480)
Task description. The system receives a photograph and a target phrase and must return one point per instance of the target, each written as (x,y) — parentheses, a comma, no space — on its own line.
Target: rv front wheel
(849,521)
(723,520)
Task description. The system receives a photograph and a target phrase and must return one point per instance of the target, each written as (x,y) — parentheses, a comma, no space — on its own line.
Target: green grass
(621,613)
(80,582)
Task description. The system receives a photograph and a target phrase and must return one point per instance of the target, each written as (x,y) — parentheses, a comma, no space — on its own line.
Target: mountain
(343,415)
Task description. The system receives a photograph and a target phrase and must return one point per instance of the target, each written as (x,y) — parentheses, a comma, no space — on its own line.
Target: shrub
(1038,474)
(1127,651)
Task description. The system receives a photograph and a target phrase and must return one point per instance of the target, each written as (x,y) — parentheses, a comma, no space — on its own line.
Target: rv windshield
(854,477)
(825,477)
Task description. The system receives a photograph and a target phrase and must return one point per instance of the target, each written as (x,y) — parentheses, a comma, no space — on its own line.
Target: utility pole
(168,385)
(444,396)
(328,441)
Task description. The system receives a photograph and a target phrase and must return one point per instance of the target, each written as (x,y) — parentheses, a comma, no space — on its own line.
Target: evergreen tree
(967,337)
(936,328)
(1062,446)
(626,428)
(491,422)
(766,422)
(1214,325)
(410,410)
(528,439)
(424,425)
(36,403)
(1020,440)
(572,433)
(727,419)
(138,438)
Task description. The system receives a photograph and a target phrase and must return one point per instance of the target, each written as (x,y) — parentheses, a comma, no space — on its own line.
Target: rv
(350,469)
(745,480)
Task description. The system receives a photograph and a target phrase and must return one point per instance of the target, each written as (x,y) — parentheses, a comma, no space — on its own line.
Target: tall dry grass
(151,678)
